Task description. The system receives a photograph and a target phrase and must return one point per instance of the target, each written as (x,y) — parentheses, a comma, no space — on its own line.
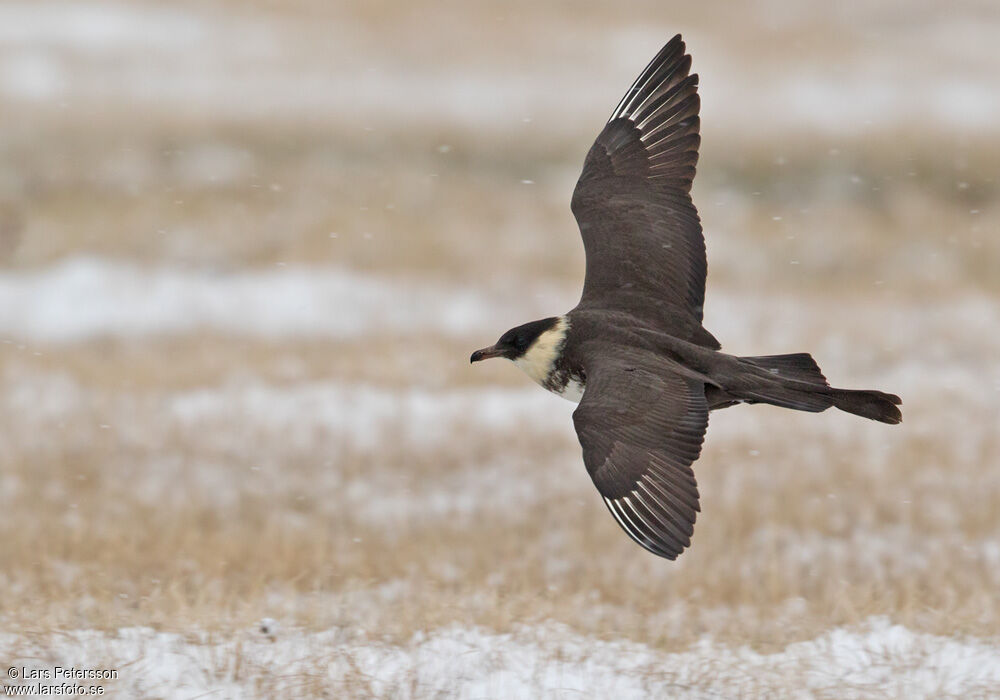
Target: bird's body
(633,352)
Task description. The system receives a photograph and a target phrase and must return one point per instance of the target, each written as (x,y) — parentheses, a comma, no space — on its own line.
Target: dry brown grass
(808,521)
(120,510)
(914,216)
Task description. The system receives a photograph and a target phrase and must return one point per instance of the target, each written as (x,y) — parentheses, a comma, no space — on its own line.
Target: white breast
(538,361)
(573,391)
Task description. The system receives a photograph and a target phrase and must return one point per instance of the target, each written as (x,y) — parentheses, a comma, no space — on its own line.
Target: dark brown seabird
(633,352)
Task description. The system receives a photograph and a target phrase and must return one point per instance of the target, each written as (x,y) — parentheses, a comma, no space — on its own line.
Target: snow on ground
(248,433)
(358,416)
(875,659)
(365,415)
(907,348)
(297,439)
(83,298)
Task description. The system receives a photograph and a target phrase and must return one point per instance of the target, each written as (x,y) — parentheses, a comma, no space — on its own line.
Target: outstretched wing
(641,426)
(641,232)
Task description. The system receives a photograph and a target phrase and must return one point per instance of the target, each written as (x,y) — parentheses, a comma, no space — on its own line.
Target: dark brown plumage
(634,347)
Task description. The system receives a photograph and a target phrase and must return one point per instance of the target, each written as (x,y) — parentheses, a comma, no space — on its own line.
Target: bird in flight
(634,353)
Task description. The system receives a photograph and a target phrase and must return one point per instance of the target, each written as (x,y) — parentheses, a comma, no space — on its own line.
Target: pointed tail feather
(796,381)
(875,405)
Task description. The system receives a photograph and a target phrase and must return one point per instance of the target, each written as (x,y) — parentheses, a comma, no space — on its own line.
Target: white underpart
(573,391)
(539,359)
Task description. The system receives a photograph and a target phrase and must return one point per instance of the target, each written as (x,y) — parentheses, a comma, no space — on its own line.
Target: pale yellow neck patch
(539,359)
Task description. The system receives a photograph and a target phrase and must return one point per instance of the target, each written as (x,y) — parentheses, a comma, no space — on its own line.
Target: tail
(869,403)
(795,381)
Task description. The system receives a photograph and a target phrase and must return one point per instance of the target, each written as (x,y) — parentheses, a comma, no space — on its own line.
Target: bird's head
(515,343)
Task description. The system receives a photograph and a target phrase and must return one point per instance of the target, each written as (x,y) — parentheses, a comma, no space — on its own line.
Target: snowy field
(875,659)
(247,248)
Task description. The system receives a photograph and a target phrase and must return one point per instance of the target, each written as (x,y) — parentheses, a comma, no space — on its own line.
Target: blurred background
(247,248)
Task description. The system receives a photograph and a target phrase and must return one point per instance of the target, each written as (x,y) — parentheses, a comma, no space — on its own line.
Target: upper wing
(641,426)
(641,232)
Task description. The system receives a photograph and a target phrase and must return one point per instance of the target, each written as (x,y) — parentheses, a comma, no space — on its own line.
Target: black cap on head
(516,341)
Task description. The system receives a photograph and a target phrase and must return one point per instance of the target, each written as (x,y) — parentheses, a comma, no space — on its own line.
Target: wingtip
(677,42)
